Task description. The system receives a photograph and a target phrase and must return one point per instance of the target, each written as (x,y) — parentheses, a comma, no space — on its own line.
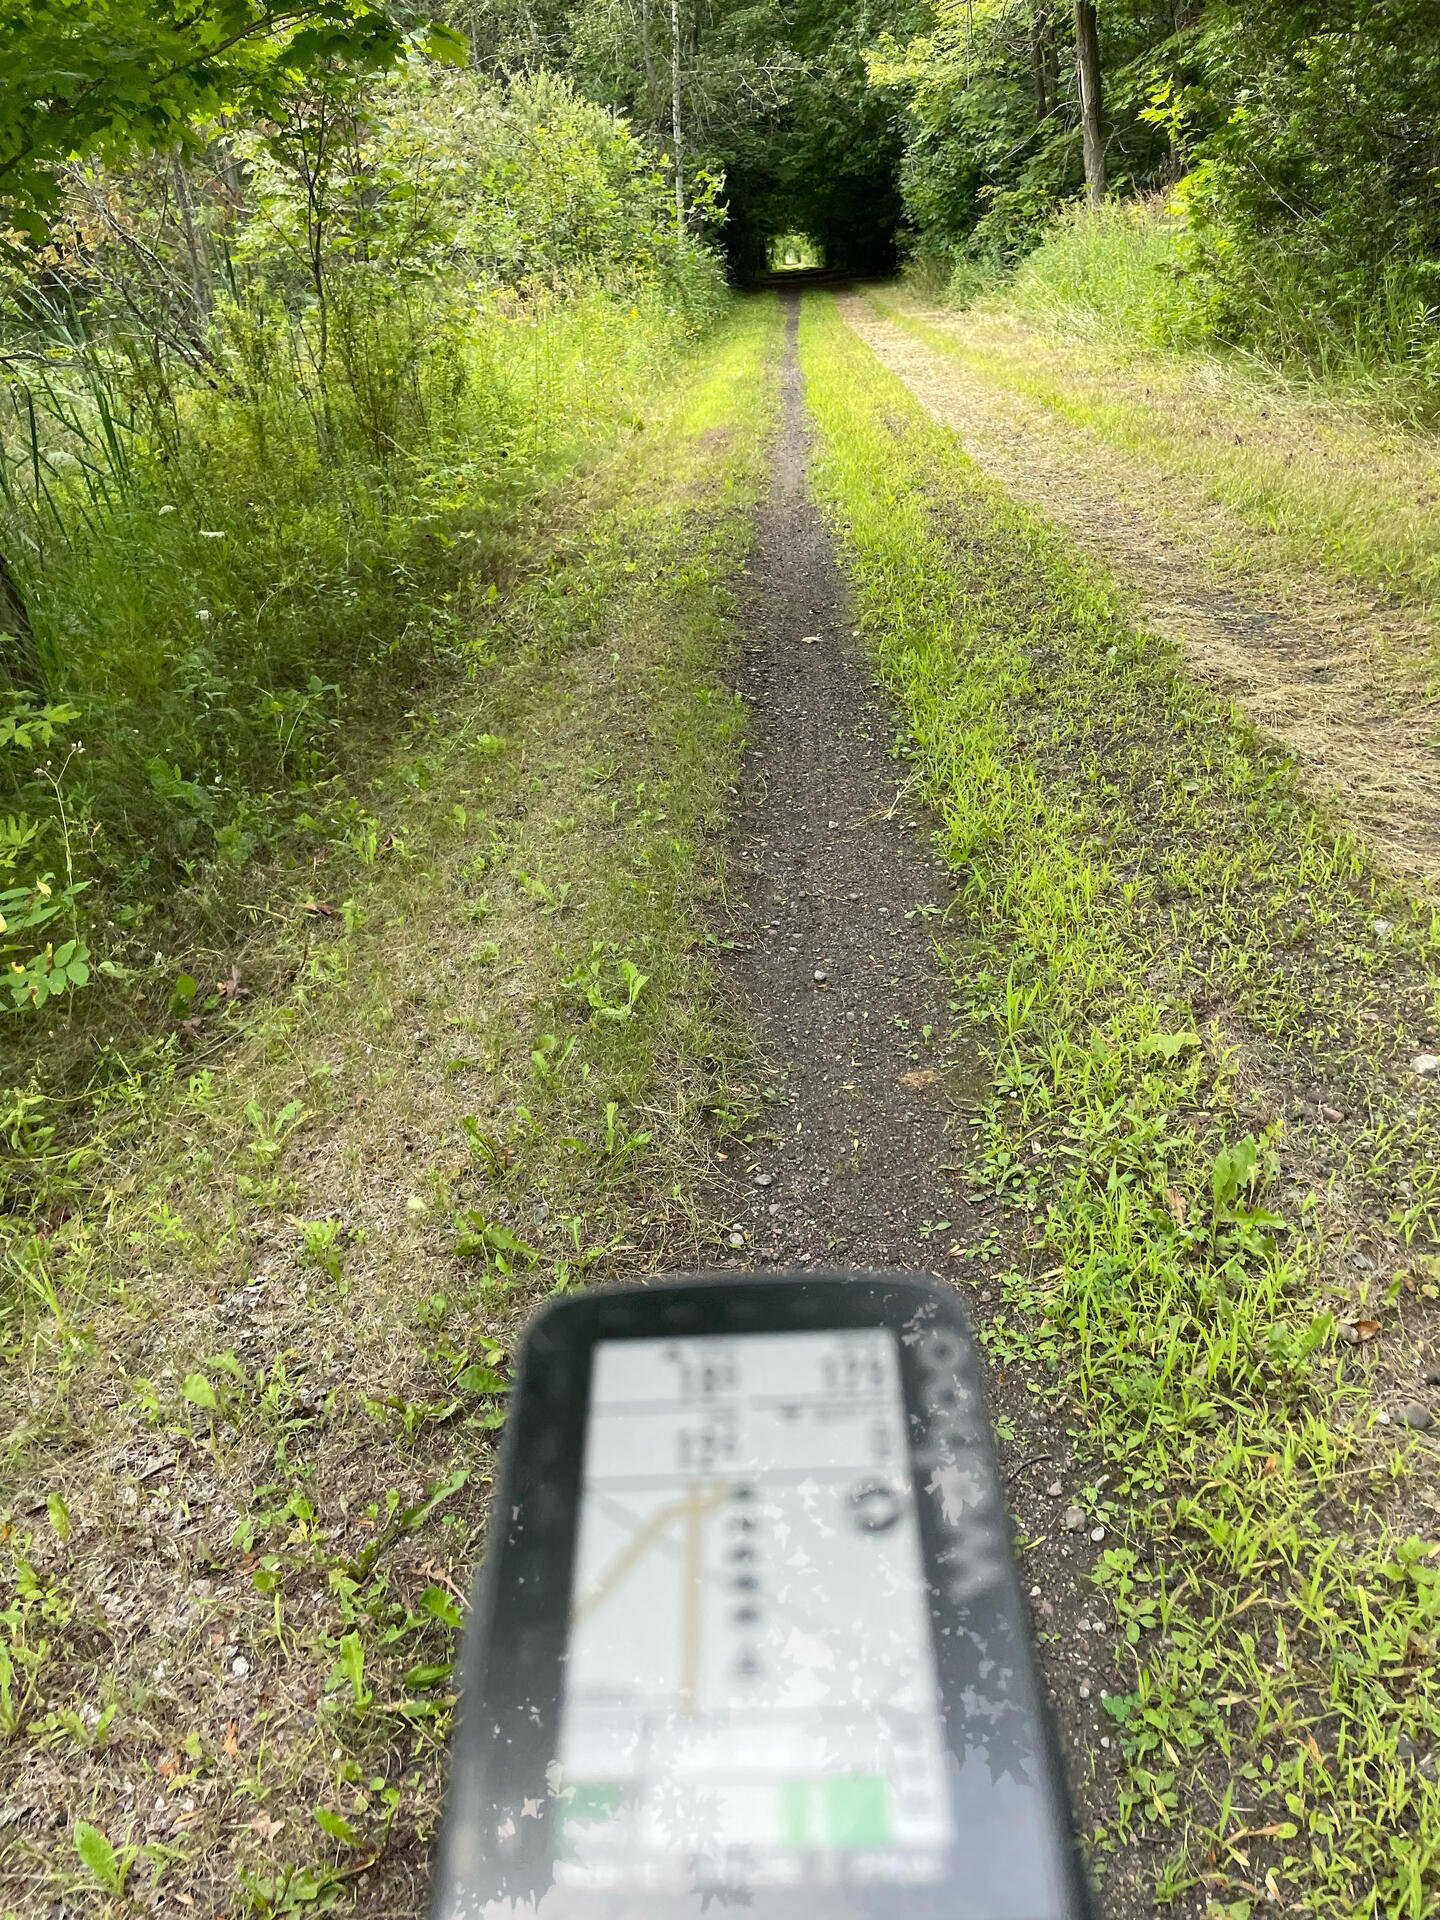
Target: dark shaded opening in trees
(850,214)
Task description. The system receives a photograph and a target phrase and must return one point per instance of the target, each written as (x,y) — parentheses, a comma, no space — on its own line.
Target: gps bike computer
(748,1634)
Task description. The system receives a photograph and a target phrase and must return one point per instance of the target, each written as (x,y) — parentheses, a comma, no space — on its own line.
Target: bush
(244,521)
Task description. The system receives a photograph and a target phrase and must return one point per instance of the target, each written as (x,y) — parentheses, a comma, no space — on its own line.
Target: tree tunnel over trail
(817,156)
(846,202)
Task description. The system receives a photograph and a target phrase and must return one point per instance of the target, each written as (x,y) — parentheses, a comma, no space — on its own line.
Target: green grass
(1173,962)
(1110,273)
(235,602)
(259,1327)
(1312,485)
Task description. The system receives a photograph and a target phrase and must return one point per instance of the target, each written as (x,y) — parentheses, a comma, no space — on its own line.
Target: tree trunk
(190,229)
(676,135)
(647,60)
(1087,69)
(19,656)
(1042,61)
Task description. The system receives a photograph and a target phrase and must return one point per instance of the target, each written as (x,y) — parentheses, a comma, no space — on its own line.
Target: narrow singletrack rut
(860,1153)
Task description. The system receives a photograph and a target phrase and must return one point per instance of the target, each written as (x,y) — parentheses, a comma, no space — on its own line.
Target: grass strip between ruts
(1168,952)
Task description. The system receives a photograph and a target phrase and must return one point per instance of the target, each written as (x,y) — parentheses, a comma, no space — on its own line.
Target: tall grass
(1111,273)
(224,584)
(1134,273)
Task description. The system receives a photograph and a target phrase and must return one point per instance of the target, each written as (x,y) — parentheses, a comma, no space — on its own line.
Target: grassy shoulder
(260,1326)
(229,639)
(1294,489)
(1203,1012)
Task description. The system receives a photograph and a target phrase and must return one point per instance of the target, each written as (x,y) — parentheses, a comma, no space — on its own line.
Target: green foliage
(112,75)
(1286,152)
(992,145)
(255,494)
(109,1866)
(773,101)
(1312,204)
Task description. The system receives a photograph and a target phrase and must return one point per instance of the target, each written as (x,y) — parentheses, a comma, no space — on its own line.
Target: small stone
(1429,1767)
(240,1666)
(832,825)
(1405,1747)
(1425,1063)
(737,1239)
(1084,1693)
(1417,1415)
(1348,1334)
(852,896)
(1382,929)
(1105,1741)
(1097,1534)
(1054,1490)
(1382,1418)
(764,1180)
(1034,1593)
(820,976)
(1431,1376)
(1073,1519)
(1333,1114)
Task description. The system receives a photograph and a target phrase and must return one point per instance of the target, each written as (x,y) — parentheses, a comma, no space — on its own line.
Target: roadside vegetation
(1290,147)
(1298,488)
(1212,1027)
(259,1331)
(268,420)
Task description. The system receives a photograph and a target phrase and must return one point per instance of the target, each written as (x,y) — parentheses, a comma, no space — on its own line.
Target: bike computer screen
(749,1633)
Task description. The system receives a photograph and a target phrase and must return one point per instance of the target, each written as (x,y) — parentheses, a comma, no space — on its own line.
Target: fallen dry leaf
(231,1743)
(1176,1202)
(323,908)
(1357,1330)
(921,1077)
(266,1826)
(230,988)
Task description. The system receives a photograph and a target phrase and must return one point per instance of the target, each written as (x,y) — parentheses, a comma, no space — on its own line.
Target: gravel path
(860,1151)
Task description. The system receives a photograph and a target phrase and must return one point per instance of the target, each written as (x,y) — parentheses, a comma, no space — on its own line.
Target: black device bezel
(520,1617)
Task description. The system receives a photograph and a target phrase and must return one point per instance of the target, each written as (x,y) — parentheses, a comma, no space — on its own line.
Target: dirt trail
(1319,684)
(861,1152)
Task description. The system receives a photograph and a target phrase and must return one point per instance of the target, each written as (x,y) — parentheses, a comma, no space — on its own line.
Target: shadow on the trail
(798,279)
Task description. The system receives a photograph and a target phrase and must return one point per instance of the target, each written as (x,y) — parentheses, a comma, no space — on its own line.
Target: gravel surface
(860,1153)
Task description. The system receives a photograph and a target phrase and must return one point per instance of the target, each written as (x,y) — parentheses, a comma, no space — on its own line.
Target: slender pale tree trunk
(647,58)
(677,139)
(190,229)
(1087,68)
(1042,61)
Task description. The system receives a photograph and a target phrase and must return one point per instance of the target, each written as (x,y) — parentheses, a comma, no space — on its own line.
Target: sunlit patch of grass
(1200,1005)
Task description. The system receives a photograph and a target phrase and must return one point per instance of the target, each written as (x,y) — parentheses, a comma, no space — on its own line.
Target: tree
(108,77)
(1087,74)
